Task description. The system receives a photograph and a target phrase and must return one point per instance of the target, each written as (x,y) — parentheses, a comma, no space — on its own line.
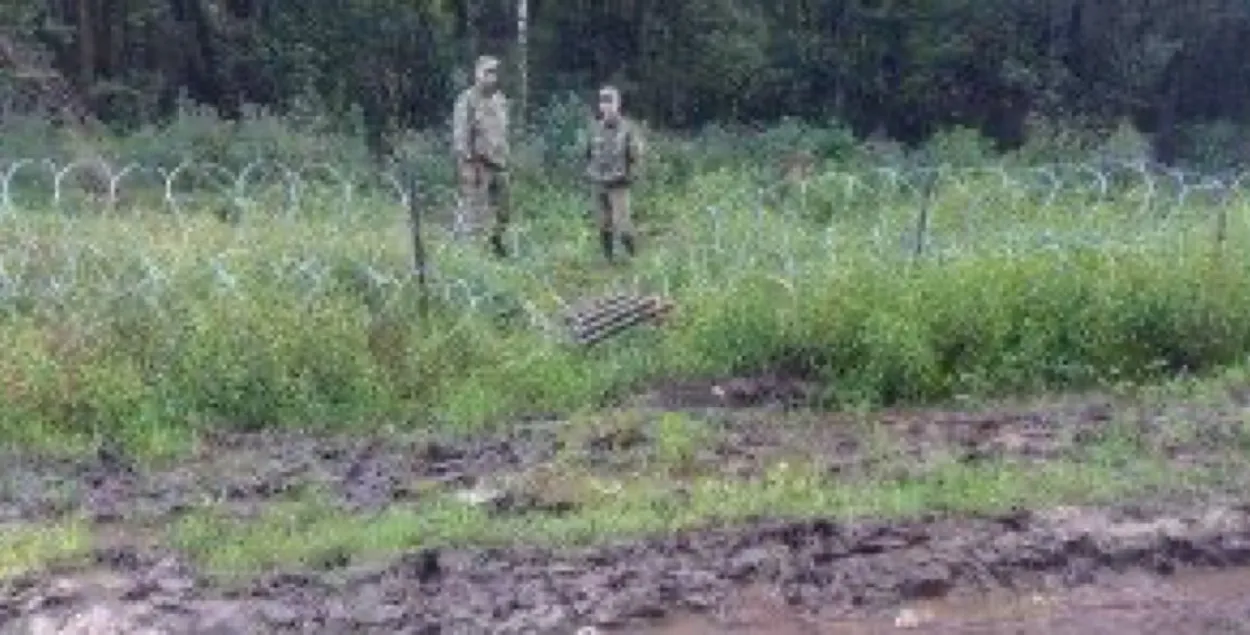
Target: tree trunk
(522,27)
(86,45)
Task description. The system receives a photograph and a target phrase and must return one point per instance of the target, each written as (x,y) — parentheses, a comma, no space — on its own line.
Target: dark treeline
(905,68)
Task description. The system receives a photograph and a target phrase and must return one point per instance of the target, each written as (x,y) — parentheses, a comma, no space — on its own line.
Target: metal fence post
(418,244)
(922,220)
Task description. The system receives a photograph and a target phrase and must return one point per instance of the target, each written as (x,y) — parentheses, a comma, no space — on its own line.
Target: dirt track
(1143,567)
(835,575)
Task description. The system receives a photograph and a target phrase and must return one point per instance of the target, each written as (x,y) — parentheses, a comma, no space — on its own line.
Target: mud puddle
(1189,602)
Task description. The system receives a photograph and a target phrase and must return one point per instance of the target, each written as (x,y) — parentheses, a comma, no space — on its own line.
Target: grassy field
(146,328)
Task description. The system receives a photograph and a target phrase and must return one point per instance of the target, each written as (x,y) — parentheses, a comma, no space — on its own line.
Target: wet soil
(817,575)
(246,470)
(1194,602)
(1140,568)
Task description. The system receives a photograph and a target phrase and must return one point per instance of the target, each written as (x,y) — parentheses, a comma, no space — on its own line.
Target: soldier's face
(609,106)
(488,77)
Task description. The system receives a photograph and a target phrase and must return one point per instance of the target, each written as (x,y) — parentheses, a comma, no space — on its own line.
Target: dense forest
(902,68)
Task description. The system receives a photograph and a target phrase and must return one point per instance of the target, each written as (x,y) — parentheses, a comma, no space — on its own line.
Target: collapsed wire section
(604,317)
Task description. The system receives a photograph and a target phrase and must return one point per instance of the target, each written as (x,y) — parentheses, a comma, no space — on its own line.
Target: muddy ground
(1178,564)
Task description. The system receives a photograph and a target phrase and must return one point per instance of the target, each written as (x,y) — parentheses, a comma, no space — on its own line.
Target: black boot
(496,243)
(605,241)
(628,241)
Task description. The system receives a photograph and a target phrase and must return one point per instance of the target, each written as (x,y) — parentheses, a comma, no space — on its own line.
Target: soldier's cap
(610,92)
(487,62)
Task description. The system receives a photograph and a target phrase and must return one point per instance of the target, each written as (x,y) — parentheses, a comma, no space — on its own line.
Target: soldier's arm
(581,144)
(635,148)
(460,128)
(504,105)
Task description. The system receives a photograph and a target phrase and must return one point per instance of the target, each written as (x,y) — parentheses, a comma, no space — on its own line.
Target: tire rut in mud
(828,570)
(369,471)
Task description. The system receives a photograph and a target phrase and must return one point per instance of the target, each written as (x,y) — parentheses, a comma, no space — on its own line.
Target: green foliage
(678,439)
(910,69)
(24,548)
(175,324)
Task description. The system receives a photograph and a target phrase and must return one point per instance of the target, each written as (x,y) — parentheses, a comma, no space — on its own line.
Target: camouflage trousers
(611,206)
(484,192)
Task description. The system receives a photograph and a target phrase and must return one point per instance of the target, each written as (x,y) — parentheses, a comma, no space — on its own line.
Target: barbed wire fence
(1157,187)
(176,189)
(900,205)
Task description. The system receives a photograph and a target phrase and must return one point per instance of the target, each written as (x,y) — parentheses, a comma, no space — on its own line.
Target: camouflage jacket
(613,152)
(480,127)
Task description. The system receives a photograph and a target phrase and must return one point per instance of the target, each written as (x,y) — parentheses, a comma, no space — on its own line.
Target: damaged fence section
(604,317)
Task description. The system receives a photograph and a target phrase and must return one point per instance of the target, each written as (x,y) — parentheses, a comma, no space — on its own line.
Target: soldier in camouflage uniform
(613,154)
(480,144)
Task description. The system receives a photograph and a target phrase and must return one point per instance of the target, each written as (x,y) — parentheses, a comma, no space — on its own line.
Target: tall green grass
(152,327)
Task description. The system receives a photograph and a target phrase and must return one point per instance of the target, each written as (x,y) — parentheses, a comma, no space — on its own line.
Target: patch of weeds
(678,438)
(1177,432)
(880,445)
(555,487)
(29,547)
(42,438)
(152,441)
(1118,444)
(616,434)
(309,534)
